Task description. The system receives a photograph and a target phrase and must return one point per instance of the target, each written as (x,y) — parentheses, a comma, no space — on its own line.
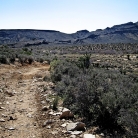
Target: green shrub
(105,98)
(30,60)
(3,60)
(26,51)
(47,78)
(84,61)
(12,59)
(55,103)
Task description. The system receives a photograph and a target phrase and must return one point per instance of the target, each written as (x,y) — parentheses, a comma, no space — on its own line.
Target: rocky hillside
(124,33)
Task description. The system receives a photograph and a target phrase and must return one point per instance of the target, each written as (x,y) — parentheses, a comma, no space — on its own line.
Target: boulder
(66,114)
(79,126)
(71,126)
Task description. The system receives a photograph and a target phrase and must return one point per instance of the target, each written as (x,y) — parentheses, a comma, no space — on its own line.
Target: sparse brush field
(98,83)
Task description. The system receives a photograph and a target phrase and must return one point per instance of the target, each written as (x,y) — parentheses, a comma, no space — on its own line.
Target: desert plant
(84,61)
(47,78)
(30,60)
(128,57)
(12,59)
(3,60)
(102,97)
(55,103)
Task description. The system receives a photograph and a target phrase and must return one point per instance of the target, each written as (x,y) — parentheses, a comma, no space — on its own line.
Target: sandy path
(20,109)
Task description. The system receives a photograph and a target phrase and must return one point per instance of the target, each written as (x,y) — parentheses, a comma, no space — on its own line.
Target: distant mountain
(124,33)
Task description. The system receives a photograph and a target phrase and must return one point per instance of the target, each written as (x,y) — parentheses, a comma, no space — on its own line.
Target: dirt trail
(18,106)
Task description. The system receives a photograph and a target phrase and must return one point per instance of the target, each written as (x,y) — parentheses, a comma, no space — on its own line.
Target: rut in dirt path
(19,115)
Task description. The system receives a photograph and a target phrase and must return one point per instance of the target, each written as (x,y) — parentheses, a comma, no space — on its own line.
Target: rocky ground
(26,106)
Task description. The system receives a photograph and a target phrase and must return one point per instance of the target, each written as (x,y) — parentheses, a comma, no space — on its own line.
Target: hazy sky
(66,16)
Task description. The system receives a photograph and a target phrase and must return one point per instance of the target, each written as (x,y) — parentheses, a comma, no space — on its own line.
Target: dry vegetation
(98,83)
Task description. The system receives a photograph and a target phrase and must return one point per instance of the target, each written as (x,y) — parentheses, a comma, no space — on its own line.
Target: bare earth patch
(18,107)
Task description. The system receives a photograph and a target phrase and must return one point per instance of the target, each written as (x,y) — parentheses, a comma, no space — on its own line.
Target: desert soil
(18,101)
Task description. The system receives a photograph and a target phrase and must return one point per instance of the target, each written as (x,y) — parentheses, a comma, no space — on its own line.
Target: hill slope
(123,33)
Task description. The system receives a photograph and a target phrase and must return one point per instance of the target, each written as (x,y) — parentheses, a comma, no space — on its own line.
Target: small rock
(76,132)
(58,113)
(54,114)
(3,115)
(9,93)
(47,122)
(65,109)
(64,131)
(14,92)
(79,126)
(60,109)
(40,79)
(88,136)
(12,118)
(43,102)
(51,113)
(63,120)
(72,136)
(11,128)
(48,127)
(29,115)
(2,108)
(70,121)
(54,132)
(45,108)
(64,125)
(20,100)
(2,120)
(102,134)
(35,124)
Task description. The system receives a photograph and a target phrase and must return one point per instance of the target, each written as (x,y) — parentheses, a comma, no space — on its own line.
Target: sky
(66,16)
